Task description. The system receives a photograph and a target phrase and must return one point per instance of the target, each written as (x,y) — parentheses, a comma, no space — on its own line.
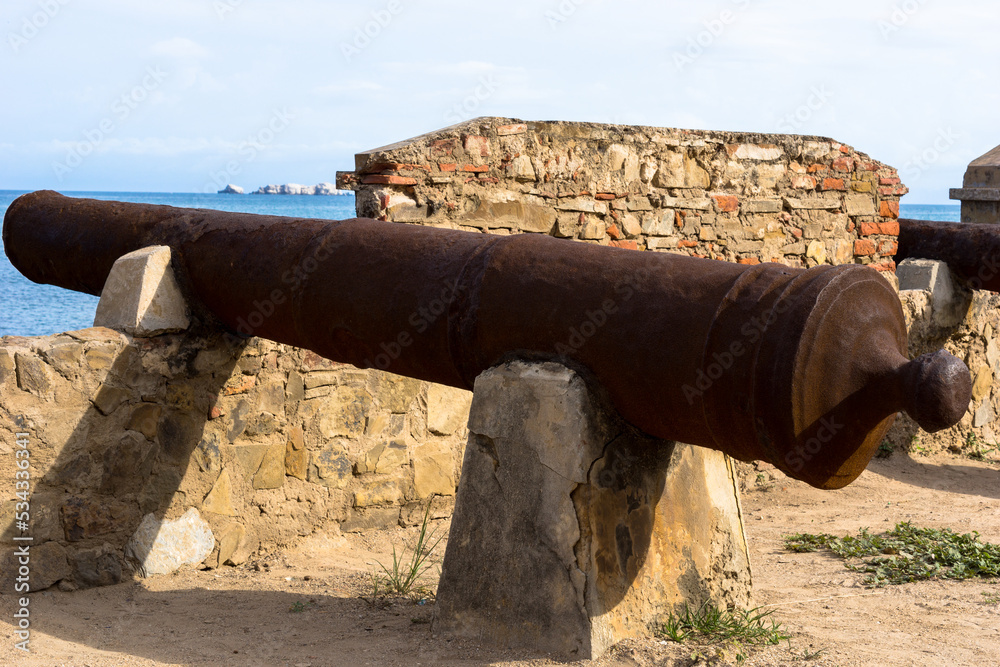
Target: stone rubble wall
(265,442)
(740,197)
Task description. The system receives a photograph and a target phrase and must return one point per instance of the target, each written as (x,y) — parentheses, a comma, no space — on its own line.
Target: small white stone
(162,547)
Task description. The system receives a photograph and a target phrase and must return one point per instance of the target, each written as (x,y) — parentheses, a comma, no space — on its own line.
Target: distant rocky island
(288,189)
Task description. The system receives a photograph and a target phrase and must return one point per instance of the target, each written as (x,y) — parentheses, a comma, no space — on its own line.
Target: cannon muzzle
(804,368)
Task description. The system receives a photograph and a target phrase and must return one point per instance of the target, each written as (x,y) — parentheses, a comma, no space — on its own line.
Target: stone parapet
(264,442)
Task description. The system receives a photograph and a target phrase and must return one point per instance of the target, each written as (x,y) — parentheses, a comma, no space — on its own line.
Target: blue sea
(29,309)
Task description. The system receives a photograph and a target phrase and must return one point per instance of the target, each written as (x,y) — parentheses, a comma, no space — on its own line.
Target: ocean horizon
(30,309)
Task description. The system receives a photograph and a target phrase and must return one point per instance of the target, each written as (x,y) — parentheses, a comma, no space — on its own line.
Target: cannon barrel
(971,250)
(804,368)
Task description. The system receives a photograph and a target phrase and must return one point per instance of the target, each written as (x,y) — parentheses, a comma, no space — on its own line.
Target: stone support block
(573,530)
(949,302)
(141,296)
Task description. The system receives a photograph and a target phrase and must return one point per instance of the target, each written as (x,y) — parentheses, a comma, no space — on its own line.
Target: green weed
(907,553)
(809,655)
(763,481)
(710,624)
(976,448)
(403,577)
(884,450)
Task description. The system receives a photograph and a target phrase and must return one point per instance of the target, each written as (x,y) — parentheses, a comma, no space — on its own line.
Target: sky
(189,95)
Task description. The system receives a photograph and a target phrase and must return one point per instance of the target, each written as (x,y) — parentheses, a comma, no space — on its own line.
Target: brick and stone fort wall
(738,197)
(262,443)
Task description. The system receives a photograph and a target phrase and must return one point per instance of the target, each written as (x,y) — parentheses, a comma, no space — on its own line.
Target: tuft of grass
(907,553)
(807,655)
(884,450)
(990,598)
(710,624)
(975,448)
(763,481)
(299,607)
(403,577)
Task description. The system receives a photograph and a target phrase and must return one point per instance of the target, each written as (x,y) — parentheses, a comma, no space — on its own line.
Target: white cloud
(197,77)
(468,68)
(178,47)
(342,87)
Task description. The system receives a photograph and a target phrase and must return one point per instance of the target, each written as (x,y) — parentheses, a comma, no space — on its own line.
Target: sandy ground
(305,606)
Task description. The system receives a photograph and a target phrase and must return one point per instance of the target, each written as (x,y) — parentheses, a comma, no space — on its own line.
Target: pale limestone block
(671,171)
(220,499)
(522,169)
(271,473)
(229,539)
(616,157)
(828,203)
(383,493)
(817,251)
(593,229)
(433,471)
(660,225)
(695,203)
(447,408)
(755,152)
(859,205)
(762,206)
(816,149)
(141,296)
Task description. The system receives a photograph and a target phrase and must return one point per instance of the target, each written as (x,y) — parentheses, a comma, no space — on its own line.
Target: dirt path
(304,606)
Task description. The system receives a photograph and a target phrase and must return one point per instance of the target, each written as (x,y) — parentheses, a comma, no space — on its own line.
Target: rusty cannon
(804,368)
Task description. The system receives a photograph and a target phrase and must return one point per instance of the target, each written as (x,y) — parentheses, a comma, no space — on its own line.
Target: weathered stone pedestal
(572,530)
